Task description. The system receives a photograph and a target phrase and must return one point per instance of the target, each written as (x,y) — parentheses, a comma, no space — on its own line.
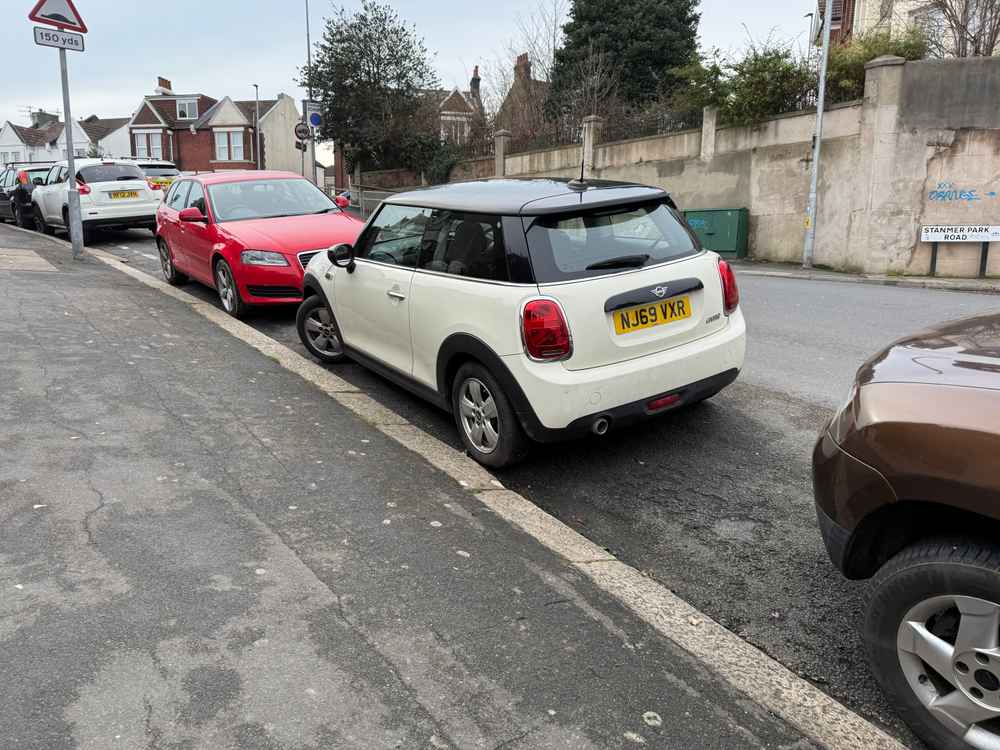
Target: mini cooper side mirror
(342,256)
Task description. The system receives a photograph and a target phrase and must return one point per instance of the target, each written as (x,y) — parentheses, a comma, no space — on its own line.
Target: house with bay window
(200,133)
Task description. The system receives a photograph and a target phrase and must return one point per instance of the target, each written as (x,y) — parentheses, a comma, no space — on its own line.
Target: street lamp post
(309,62)
(256,123)
(810,241)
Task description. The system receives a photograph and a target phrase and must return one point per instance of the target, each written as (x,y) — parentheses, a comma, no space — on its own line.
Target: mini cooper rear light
(545,331)
(730,292)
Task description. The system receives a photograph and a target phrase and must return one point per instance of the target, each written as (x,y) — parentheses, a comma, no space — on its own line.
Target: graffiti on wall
(947,192)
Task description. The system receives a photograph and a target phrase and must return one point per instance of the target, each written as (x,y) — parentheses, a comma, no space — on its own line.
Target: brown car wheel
(932,632)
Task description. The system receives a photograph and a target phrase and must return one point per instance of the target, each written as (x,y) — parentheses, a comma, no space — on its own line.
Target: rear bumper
(140,214)
(563,400)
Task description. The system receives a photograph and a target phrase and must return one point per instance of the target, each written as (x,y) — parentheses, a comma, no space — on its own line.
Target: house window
(222,146)
(229,145)
(187,109)
(149,145)
(141,145)
(236,145)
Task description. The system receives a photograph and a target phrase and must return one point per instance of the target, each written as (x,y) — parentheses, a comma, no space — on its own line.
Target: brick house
(522,110)
(200,133)
(458,113)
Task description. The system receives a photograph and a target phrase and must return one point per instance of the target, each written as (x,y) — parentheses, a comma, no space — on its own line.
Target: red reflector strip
(663,402)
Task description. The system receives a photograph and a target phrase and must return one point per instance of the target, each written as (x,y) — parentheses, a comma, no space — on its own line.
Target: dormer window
(187,109)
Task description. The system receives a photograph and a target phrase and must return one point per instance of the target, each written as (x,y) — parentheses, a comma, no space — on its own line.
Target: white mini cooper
(531,309)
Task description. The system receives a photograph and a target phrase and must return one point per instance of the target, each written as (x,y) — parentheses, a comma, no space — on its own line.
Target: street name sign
(59,39)
(59,13)
(959,233)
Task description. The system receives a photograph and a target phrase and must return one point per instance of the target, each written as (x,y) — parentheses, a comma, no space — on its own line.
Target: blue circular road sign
(315,119)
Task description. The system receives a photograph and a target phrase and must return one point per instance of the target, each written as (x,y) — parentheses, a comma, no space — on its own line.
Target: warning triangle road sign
(60,13)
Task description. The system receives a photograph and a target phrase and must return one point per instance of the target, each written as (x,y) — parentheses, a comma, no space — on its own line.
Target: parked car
(16,185)
(907,484)
(247,234)
(160,174)
(531,309)
(114,194)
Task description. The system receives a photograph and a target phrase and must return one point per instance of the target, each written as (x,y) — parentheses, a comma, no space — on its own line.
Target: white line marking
(749,670)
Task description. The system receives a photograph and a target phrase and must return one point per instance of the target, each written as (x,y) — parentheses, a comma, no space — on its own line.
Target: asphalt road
(715,502)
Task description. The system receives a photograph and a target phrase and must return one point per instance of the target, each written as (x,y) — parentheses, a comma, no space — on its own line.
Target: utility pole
(810,241)
(75,227)
(256,122)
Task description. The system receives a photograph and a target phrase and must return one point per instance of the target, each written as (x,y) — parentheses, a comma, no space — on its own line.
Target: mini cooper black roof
(527,197)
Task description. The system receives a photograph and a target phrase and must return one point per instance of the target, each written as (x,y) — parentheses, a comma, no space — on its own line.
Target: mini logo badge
(659,291)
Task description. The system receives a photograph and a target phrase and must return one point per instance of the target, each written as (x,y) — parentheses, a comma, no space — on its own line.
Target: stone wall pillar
(709,122)
(501,144)
(592,125)
(883,230)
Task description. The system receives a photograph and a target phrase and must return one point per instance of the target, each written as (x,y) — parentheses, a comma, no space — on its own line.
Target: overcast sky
(223,47)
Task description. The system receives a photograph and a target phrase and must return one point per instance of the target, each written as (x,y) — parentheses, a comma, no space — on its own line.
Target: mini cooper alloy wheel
(479,416)
(322,331)
(949,652)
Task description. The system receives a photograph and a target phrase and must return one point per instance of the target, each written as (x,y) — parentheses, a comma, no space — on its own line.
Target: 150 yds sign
(54,38)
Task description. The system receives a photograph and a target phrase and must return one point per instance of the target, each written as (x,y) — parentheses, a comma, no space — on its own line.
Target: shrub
(845,72)
(768,80)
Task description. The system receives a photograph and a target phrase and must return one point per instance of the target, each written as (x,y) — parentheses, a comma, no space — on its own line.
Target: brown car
(907,483)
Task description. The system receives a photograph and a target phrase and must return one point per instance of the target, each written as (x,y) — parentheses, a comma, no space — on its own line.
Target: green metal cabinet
(724,230)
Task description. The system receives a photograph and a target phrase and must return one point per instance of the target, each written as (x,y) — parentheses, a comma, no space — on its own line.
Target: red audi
(249,235)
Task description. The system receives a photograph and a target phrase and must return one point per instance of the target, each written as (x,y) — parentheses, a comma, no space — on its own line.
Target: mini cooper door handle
(396,295)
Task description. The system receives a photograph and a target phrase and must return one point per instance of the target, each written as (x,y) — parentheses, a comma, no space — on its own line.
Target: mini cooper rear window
(580,245)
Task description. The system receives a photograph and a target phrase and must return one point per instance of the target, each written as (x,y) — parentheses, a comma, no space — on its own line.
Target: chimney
(522,68)
(163,86)
(40,118)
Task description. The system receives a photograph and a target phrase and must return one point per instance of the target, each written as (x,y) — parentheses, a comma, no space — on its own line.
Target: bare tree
(958,28)
(539,34)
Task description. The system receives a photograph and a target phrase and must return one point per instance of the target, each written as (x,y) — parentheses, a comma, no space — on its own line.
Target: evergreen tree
(647,40)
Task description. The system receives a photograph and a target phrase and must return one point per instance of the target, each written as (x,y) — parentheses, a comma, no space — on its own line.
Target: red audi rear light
(545,331)
(730,292)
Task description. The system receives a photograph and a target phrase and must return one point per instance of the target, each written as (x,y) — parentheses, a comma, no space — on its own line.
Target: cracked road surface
(716,502)
(198,550)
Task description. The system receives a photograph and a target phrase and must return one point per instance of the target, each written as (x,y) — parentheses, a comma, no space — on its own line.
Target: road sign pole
(75,226)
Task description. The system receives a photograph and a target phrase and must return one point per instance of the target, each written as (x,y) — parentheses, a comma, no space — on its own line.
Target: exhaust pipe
(600,425)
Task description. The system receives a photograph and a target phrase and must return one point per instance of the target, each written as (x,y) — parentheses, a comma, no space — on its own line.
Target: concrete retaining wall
(922,147)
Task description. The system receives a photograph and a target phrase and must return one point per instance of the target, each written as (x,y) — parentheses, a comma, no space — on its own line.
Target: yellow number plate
(123,194)
(657,314)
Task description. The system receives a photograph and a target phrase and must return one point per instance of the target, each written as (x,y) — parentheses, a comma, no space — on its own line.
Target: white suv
(114,193)
(539,309)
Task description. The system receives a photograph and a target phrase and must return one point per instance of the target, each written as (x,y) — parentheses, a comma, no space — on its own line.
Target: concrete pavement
(199,549)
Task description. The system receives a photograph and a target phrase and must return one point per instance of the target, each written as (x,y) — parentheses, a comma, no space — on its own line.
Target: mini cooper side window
(396,235)
(464,245)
